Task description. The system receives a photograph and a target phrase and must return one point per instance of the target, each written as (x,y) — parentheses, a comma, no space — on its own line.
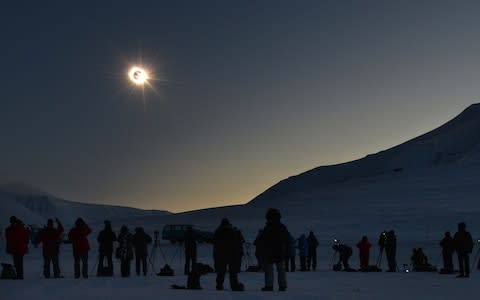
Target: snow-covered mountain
(34,206)
(456,143)
(419,188)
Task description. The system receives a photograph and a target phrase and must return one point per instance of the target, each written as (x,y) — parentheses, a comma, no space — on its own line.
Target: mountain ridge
(456,141)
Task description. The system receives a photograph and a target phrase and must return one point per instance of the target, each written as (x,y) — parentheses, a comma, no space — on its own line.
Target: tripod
(333,259)
(155,248)
(379,258)
(248,255)
(475,257)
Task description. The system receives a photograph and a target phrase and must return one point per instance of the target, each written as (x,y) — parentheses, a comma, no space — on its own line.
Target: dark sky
(246,92)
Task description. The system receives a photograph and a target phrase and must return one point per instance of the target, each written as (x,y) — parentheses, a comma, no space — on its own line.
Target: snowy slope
(455,143)
(34,206)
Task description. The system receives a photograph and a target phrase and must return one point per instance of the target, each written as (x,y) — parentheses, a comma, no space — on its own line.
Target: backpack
(8,272)
(166,271)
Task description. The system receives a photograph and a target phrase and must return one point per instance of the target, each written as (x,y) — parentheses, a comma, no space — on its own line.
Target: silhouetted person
(345,252)
(275,240)
(291,256)
(140,241)
(50,238)
(420,260)
(447,252)
(312,252)
(223,255)
(259,250)
(17,243)
(80,246)
(105,239)
(190,250)
(303,252)
(364,253)
(391,250)
(463,243)
(125,250)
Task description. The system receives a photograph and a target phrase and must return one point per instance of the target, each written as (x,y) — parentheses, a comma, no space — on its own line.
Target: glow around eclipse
(138,75)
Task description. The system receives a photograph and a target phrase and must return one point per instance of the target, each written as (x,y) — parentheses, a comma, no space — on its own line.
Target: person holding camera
(78,237)
(105,239)
(50,238)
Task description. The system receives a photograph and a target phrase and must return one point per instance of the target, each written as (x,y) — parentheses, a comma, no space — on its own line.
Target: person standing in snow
(140,241)
(124,251)
(105,239)
(364,252)
(463,243)
(291,256)
(391,250)
(447,253)
(303,252)
(275,240)
(78,237)
(50,238)
(312,252)
(17,243)
(259,251)
(224,255)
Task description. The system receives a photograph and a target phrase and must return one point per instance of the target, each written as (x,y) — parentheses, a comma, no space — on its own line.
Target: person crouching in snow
(345,252)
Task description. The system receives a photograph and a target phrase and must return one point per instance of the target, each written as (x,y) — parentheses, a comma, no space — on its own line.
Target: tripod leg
(475,259)
(333,260)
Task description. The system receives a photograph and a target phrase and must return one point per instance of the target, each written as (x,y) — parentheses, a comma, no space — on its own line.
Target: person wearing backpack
(50,238)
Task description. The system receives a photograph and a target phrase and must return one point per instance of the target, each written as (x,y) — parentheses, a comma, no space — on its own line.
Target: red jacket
(78,237)
(50,238)
(17,239)
(364,247)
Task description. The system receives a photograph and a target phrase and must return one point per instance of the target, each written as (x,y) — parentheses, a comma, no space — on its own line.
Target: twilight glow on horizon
(256,92)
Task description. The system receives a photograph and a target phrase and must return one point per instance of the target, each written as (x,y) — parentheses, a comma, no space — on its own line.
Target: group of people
(461,242)
(275,246)
(17,239)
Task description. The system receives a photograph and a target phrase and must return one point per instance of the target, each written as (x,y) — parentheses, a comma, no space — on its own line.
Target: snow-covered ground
(321,284)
